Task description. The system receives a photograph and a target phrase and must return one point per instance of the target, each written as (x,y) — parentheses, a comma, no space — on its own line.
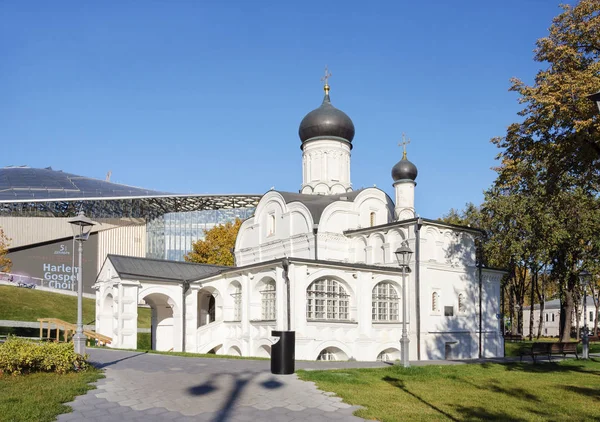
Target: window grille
(327,299)
(383,357)
(385,305)
(269,295)
(372,219)
(237,303)
(326,354)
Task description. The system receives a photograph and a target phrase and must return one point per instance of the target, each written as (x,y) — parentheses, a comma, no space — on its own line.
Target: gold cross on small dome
(326,80)
(403,144)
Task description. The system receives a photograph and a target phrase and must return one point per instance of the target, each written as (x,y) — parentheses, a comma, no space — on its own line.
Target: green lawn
(20,304)
(39,397)
(569,390)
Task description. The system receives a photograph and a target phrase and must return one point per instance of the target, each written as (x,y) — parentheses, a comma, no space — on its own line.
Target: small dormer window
(271,230)
(372,219)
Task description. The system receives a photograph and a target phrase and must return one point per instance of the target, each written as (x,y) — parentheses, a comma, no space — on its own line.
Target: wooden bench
(549,349)
(513,337)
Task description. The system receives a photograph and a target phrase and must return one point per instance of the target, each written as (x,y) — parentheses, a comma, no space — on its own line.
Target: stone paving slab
(151,387)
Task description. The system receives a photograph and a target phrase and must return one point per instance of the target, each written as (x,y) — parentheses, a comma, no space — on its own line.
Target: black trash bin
(283,353)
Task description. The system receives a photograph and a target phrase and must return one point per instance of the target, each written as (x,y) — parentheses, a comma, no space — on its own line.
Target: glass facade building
(171,235)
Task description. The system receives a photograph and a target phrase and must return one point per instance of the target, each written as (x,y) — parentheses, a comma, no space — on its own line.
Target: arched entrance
(163,321)
(209,306)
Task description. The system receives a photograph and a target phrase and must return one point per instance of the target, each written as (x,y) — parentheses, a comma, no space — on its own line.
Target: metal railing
(25,280)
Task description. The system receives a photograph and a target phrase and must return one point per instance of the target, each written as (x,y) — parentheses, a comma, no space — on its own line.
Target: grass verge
(191,355)
(39,396)
(19,304)
(568,390)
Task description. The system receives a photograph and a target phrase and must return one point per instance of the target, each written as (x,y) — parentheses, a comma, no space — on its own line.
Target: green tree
(217,245)
(5,263)
(550,163)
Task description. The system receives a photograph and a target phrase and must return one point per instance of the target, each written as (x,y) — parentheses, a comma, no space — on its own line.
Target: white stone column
(126,303)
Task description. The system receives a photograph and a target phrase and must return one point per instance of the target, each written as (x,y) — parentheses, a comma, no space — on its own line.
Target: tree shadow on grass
(544,367)
(495,387)
(468,413)
(400,384)
(590,392)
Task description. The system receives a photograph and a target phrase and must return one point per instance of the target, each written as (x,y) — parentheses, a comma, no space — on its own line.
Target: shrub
(18,356)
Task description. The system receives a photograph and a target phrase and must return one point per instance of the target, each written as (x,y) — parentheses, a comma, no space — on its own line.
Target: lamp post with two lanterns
(82,226)
(403,255)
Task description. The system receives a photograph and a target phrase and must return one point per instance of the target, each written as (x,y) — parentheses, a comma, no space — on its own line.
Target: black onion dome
(404,170)
(326,121)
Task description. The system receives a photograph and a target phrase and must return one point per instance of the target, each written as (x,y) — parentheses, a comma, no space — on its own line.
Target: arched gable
(301,220)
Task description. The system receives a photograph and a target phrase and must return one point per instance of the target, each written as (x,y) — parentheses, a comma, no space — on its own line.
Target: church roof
(316,204)
(130,267)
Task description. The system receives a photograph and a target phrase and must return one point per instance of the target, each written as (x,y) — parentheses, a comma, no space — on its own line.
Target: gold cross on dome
(327,76)
(403,144)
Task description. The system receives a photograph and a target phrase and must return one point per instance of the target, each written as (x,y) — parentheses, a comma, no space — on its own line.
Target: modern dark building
(35,205)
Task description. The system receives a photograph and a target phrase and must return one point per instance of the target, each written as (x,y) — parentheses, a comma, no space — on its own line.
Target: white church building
(321,263)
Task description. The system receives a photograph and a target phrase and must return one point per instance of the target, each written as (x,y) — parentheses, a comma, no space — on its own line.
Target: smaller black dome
(404,170)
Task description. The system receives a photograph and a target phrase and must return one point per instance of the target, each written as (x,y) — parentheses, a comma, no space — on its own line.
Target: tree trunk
(532,302)
(542,307)
(566,314)
(596,320)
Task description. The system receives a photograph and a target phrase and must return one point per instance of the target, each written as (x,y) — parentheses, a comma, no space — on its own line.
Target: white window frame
(385,304)
(327,299)
(269,301)
(271,224)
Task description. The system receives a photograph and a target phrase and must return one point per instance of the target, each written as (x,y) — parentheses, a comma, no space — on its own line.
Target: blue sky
(207,96)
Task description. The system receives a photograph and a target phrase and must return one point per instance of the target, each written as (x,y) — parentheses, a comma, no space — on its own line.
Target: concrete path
(150,387)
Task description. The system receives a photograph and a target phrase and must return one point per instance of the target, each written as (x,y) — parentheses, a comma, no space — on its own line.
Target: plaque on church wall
(55,264)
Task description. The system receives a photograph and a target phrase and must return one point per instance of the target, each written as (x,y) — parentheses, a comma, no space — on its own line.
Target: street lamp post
(403,255)
(82,226)
(584,277)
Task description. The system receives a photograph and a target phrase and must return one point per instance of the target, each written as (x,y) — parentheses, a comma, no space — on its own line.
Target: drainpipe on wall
(286,266)
(315,230)
(480,276)
(418,225)
(185,286)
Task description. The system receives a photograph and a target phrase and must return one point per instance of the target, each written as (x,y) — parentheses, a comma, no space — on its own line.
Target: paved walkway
(150,387)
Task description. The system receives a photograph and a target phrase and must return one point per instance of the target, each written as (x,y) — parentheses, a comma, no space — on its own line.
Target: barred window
(385,302)
(462,307)
(327,299)
(435,302)
(326,354)
(237,302)
(269,295)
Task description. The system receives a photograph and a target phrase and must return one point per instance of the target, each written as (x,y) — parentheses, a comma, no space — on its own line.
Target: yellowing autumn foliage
(5,263)
(217,245)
